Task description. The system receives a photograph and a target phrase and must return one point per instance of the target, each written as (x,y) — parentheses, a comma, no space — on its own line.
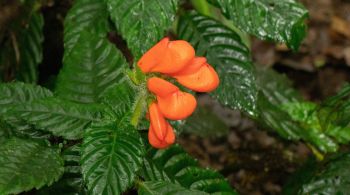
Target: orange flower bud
(161,143)
(198,76)
(160,134)
(167,57)
(173,103)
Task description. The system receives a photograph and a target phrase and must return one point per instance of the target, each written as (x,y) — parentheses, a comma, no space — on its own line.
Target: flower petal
(161,87)
(158,122)
(177,106)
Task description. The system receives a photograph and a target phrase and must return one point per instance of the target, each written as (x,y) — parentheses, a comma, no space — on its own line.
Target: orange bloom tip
(161,87)
(177,106)
(161,143)
(192,66)
(167,57)
(151,58)
(158,122)
(205,79)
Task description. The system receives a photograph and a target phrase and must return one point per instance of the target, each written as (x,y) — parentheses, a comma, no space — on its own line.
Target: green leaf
(85,15)
(274,90)
(111,155)
(16,93)
(142,23)
(125,96)
(61,118)
(93,65)
(278,20)
(305,114)
(204,122)
(163,187)
(30,49)
(224,50)
(175,166)
(330,177)
(71,183)
(27,164)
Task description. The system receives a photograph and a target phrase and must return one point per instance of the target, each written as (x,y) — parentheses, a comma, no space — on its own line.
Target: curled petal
(192,66)
(161,143)
(161,87)
(169,59)
(177,106)
(205,79)
(151,58)
(158,122)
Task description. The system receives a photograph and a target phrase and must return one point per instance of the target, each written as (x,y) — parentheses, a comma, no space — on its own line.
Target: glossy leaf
(27,164)
(278,20)
(111,154)
(85,15)
(225,51)
(16,93)
(142,23)
(71,183)
(93,65)
(163,187)
(61,118)
(175,166)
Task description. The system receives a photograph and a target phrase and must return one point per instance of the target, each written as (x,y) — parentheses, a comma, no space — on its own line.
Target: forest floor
(257,161)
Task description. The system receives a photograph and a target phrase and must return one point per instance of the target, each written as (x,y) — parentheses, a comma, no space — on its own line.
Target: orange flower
(198,75)
(173,103)
(167,57)
(160,134)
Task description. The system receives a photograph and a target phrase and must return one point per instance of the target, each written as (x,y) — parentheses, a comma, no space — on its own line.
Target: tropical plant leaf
(328,177)
(142,23)
(224,50)
(93,65)
(71,183)
(16,93)
(30,49)
(61,118)
(204,122)
(111,155)
(278,20)
(164,187)
(27,164)
(85,15)
(175,166)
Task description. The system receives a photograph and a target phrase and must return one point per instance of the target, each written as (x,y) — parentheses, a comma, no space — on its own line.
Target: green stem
(201,6)
(139,108)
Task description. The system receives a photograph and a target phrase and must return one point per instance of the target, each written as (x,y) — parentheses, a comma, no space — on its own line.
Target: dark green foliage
(93,65)
(142,23)
(27,164)
(230,57)
(277,20)
(175,166)
(329,177)
(163,187)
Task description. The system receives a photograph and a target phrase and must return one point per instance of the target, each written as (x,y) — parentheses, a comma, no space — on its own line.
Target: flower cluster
(175,59)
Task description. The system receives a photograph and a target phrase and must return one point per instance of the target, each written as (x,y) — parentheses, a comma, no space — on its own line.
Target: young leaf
(230,57)
(72,181)
(16,93)
(93,65)
(61,118)
(278,20)
(175,166)
(27,164)
(164,187)
(85,15)
(142,22)
(111,154)
(30,49)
